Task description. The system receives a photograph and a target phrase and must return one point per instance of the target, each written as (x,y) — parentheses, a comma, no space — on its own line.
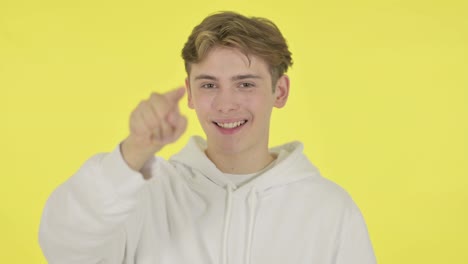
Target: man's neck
(240,163)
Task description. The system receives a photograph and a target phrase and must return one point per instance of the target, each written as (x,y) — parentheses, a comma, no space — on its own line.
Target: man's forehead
(231,62)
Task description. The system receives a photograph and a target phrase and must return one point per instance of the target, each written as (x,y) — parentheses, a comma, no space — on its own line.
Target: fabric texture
(190,212)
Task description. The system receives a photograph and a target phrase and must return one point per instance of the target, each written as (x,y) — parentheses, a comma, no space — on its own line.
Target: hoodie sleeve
(355,245)
(84,220)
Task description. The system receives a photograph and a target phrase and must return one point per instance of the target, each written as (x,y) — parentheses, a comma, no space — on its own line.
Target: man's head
(235,68)
(252,36)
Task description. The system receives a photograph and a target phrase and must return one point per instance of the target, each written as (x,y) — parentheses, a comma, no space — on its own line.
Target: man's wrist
(134,156)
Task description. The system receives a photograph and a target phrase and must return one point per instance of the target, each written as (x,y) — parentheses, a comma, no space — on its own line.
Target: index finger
(175,95)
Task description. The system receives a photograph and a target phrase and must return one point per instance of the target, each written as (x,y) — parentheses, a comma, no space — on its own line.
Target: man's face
(233,100)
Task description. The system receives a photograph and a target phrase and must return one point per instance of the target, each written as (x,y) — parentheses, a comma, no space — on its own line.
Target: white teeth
(231,125)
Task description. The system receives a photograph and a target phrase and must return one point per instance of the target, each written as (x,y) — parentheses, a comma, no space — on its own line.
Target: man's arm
(355,246)
(84,219)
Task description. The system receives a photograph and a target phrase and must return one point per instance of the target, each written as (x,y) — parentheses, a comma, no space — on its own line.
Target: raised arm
(89,218)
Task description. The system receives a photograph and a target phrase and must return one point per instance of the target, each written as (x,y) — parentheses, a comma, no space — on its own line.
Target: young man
(228,199)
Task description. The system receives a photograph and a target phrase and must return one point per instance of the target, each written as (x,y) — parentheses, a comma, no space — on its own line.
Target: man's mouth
(230,125)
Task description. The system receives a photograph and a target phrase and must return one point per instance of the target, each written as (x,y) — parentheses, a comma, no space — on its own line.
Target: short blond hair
(251,35)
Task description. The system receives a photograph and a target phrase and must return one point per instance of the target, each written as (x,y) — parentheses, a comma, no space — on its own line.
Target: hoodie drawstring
(252,200)
(227,221)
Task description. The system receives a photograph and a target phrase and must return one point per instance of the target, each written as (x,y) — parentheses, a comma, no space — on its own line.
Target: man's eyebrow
(245,76)
(233,78)
(205,77)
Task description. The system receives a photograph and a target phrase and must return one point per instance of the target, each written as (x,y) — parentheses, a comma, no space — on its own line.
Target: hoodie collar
(294,166)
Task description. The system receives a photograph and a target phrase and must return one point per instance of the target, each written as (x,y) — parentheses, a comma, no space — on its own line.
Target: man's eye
(208,85)
(246,85)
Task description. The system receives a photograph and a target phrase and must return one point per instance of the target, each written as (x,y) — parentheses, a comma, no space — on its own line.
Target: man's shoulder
(327,191)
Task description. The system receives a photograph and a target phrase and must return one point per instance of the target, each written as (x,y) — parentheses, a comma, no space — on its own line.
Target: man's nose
(226,101)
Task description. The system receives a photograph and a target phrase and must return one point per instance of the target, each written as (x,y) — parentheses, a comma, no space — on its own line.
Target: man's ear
(281,91)
(189,93)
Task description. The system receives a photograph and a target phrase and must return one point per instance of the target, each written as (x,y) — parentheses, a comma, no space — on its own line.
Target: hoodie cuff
(126,181)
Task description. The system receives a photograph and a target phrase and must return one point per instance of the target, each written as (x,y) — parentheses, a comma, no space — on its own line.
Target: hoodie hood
(291,166)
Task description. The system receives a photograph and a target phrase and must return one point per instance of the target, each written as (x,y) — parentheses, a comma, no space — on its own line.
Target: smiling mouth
(231,124)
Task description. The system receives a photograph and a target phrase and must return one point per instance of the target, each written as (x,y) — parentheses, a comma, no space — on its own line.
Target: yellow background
(378,96)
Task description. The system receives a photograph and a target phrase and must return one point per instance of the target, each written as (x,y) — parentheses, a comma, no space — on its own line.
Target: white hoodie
(190,212)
